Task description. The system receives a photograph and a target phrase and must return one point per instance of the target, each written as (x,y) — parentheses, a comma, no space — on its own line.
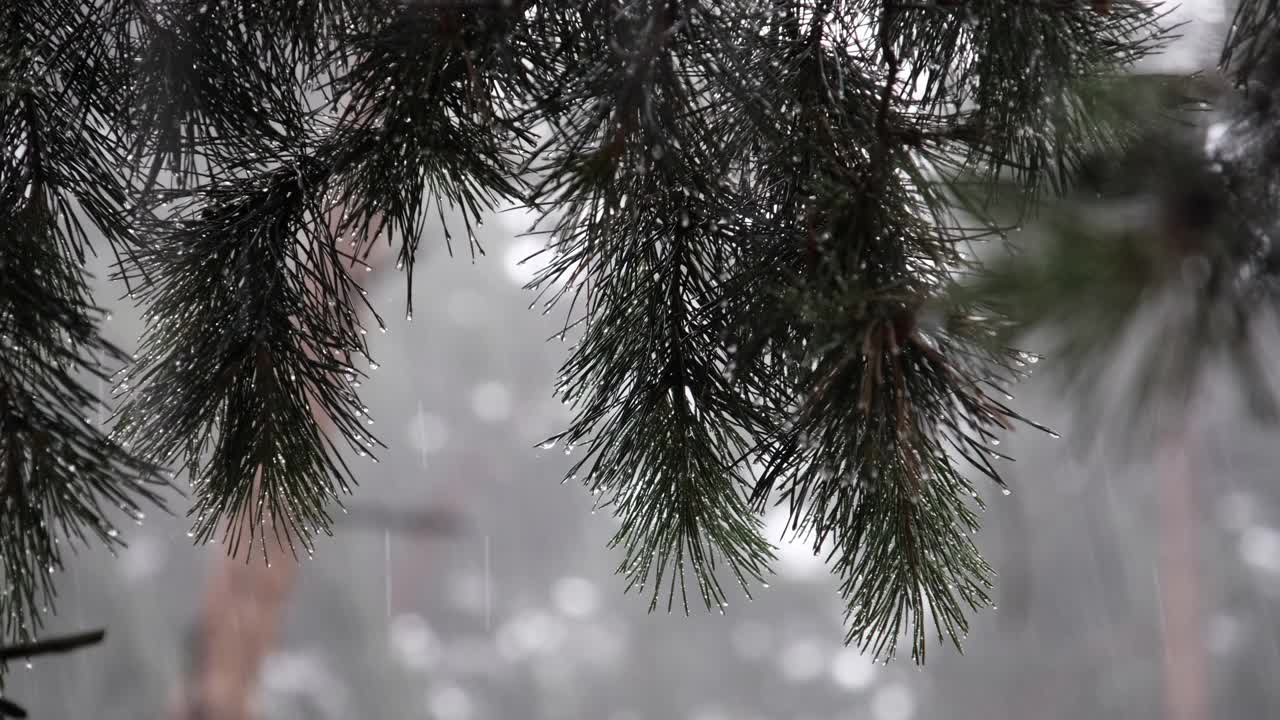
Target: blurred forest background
(517,614)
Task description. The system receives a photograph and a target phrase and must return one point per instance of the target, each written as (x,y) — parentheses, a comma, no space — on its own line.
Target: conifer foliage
(755,212)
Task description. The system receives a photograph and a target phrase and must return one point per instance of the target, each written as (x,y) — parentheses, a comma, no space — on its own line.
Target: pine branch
(423,121)
(866,400)
(1249,50)
(233,361)
(59,473)
(756,208)
(204,94)
(276,329)
(61,113)
(1009,75)
(640,232)
(826,144)
(1179,240)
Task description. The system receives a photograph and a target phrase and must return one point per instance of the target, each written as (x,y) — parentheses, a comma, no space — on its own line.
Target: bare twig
(48,646)
(53,645)
(427,521)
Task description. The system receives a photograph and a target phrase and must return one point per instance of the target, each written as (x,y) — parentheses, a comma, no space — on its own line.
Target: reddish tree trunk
(1185,696)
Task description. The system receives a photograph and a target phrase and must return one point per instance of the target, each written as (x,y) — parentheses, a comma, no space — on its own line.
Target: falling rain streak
(488,587)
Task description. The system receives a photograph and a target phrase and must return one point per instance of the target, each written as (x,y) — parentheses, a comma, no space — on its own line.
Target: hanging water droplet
(548,444)
(1006,491)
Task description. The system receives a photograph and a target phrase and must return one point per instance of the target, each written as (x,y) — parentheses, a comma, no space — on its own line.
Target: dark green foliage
(1250,52)
(237,364)
(756,210)
(1183,240)
(61,477)
(777,296)
(242,350)
(644,236)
